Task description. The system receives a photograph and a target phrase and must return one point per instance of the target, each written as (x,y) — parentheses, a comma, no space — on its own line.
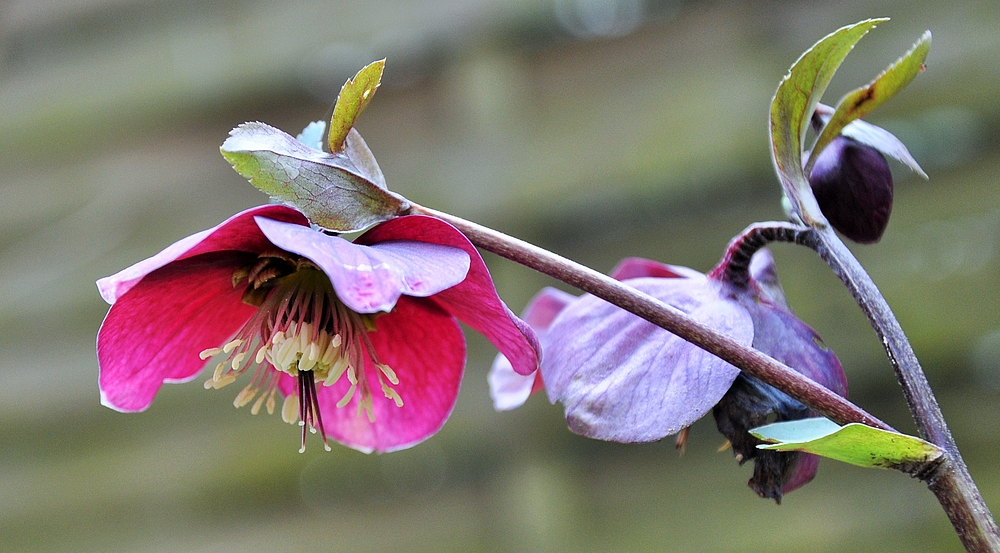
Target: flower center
(301,328)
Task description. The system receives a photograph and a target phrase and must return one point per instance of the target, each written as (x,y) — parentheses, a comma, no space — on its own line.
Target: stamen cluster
(303,330)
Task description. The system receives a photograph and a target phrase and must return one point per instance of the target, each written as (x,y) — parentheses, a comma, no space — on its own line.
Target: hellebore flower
(360,338)
(621,378)
(853,187)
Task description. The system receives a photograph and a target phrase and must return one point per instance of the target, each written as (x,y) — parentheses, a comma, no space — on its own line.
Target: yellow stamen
(218,371)
(389,373)
(392,394)
(290,409)
(347,397)
(244,397)
(210,352)
(271,402)
(260,401)
(336,371)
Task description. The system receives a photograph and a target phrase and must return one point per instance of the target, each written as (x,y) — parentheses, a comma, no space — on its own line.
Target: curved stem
(747,359)
(950,482)
(948,478)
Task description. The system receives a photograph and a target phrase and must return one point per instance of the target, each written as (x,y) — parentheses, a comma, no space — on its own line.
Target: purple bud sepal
(853,187)
(750,403)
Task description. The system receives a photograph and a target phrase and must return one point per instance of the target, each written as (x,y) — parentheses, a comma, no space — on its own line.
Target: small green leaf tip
(856,444)
(353,99)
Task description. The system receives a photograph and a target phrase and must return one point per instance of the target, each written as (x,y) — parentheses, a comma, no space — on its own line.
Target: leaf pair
(343,189)
(798,96)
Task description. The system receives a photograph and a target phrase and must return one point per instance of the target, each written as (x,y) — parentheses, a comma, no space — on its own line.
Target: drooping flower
(621,378)
(359,338)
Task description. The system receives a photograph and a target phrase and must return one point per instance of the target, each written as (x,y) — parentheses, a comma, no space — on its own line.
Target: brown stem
(747,359)
(950,481)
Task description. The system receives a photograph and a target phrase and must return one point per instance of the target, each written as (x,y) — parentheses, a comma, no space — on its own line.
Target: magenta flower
(360,339)
(621,378)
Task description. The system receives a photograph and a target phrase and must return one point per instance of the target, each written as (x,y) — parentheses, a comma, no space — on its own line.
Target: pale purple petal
(508,389)
(623,379)
(238,233)
(370,279)
(763,271)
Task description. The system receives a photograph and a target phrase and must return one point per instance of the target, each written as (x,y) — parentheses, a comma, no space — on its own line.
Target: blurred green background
(597,129)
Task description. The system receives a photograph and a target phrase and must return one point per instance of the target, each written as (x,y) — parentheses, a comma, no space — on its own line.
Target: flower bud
(853,187)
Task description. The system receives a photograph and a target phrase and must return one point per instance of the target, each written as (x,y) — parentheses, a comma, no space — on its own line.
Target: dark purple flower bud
(853,186)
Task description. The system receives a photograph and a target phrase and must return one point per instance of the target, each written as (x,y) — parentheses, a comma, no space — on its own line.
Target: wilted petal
(474,301)
(624,379)
(751,403)
(154,333)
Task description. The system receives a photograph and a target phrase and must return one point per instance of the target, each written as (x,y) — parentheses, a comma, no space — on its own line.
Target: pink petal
(508,388)
(154,333)
(426,348)
(474,301)
(369,279)
(637,267)
(238,233)
(544,307)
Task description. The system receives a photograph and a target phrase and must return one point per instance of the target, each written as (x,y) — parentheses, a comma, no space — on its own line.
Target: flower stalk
(950,481)
(665,316)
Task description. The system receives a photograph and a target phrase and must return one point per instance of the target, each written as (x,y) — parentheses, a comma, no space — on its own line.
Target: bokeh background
(597,129)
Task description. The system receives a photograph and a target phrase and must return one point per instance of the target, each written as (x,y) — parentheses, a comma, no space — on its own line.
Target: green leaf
(793,104)
(862,101)
(330,189)
(353,99)
(854,443)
